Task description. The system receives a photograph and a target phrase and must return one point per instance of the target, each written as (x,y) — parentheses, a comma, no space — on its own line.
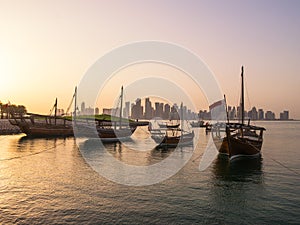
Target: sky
(46,47)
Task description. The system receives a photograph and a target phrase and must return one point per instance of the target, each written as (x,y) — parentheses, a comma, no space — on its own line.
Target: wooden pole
(242,100)
(55,111)
(121,106)
(75,105)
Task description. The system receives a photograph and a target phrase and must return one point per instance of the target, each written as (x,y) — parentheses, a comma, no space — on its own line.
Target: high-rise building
(167,110)
(174,115)
(126,110)
(96,111)
(261,114)
(161,110)
(83,108)
(156,112)
(270,115)
(253,114)
(137,109)
(148,109)
(284,115)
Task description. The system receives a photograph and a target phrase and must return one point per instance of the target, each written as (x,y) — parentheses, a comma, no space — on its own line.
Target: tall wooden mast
(121,106)
(55,111)
(242,97)
(75,104)
(181,118)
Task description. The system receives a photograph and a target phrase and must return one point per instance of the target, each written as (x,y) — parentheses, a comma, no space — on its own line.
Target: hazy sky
(47,46)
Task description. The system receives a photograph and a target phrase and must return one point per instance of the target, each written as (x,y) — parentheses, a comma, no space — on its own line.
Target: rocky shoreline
(6,128)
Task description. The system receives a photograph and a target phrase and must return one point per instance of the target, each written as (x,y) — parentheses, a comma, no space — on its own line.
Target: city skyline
(47,47)
(166,111)
(162,110)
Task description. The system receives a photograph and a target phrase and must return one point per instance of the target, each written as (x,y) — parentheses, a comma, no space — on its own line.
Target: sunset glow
(46,47)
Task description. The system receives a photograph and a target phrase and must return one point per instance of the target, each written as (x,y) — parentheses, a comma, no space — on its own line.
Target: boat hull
(46,130)
(112,135)
(243,147)
(174,141)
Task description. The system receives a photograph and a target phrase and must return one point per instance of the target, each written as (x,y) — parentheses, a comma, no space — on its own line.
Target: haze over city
(46,47)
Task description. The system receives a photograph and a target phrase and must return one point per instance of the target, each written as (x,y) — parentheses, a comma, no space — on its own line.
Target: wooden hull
(169,126)
(46,130)
(105,133)
(198,124)
(243,147)
(174,141)
(238,147)
(111,135)
(222,145)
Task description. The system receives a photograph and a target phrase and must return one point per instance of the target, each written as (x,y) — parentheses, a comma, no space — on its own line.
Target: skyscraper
(82,108)
(261,114)
(148,109)
(167,112)
(284,115)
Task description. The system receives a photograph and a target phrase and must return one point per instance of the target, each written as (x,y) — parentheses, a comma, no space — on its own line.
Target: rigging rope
(70,105)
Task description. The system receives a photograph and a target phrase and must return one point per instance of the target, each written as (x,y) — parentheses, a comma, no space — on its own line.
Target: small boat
(172,136)
(168,125)
(199,123)
(113,131)
(238,139)
(37,125)
(106,127)
(208,127)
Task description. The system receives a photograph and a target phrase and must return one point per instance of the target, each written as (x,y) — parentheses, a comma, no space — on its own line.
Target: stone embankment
(7,128)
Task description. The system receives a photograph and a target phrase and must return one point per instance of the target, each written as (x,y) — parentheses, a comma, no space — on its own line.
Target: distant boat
(208,127)
(168,125)
(172,136)
(112,129)
(241,140)
(116,132)
(37,125)
(199,123)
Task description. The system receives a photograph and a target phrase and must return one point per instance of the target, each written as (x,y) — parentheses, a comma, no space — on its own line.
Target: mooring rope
(35,153)
(281,164)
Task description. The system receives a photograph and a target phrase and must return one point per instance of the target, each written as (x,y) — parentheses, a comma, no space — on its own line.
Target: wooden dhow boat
(37,125)
(172,136)
(238,139)
(168,125)
(199,123)
(107,127)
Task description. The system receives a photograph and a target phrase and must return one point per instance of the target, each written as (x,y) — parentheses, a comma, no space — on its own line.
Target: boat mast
(55,111)
(121,106)
(181,117)
(242,96)
(75,103)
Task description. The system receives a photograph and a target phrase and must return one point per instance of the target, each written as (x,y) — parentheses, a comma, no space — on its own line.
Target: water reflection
(124,153)
(243,170)
(31,144)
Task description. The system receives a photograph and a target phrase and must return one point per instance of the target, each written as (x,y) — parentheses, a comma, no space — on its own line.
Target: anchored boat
(240,139)
(172,136)
(37,125)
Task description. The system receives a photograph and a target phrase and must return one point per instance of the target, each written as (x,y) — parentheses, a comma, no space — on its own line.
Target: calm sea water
(48,181)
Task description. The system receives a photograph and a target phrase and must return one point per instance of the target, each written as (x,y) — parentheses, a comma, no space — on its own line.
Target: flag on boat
(218,111)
